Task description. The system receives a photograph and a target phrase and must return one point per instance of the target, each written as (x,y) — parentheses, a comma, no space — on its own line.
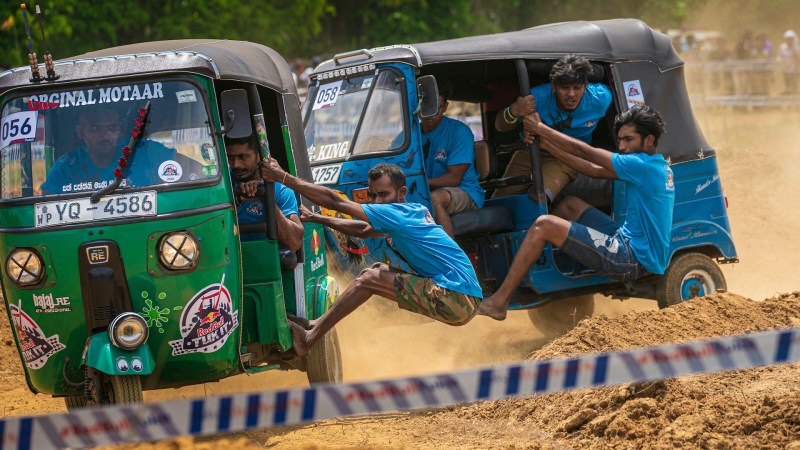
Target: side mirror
(428,94)
(235,114)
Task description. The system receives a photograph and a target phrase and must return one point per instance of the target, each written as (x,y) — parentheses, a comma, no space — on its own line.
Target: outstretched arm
(356,228)
(564,144)
(271,171)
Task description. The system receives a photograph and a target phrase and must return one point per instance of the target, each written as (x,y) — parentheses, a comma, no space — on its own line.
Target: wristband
(284,178)
(508,117)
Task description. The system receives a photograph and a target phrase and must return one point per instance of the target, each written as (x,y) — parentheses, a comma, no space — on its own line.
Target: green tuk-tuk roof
(605,40)
(217,58)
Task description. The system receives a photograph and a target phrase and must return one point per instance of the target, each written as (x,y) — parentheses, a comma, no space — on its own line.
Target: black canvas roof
(605,40)
(221,59)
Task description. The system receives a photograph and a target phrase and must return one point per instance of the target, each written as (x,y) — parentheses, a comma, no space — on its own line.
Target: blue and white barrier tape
(212,415)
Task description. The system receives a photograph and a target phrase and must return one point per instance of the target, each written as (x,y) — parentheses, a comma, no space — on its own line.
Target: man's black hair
(393,171)
(644,119)
(571,69)
(249,141)
(445,87)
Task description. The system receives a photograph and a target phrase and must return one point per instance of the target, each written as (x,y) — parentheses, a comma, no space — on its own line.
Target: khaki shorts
(555,175)
(420,295)
(460,201)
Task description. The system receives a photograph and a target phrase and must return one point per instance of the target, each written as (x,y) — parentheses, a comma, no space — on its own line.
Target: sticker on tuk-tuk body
(18,127)
(85,97)
(633,93)
(170,171)
(206,322)
(186,96)
(36,347)
(327,95)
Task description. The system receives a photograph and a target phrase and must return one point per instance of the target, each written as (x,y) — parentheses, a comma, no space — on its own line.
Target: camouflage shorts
(420,295)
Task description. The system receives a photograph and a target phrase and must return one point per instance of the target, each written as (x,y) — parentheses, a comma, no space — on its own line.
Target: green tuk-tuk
(132,275)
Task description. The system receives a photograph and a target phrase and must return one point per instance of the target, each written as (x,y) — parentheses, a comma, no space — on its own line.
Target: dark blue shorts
(594,241)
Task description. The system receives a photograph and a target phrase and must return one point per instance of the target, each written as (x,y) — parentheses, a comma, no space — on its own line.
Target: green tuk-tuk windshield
(359,115)
(74,139)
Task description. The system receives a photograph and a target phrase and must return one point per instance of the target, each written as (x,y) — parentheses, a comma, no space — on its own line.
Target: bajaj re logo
(97,255)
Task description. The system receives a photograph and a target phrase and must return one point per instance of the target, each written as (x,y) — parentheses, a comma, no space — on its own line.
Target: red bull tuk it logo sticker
(206,322)
(315,242)
(36,347)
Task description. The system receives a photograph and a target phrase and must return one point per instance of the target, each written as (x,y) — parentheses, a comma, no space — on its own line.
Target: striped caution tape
(212,415)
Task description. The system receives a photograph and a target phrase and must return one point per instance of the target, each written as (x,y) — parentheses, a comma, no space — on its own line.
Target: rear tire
(559,316)
(688,276)
(324,360)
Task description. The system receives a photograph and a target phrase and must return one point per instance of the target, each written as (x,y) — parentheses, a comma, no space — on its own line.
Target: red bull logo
(206,322)
(315,242)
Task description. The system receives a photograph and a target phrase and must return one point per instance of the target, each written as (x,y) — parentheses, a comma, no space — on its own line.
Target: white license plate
(326,174)
(83,210)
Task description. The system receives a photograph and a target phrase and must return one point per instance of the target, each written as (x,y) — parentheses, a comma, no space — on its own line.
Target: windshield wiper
(127,153)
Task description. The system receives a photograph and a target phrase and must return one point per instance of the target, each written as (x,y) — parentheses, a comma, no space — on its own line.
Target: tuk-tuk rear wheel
(688,276)
(324,360)
(559,316)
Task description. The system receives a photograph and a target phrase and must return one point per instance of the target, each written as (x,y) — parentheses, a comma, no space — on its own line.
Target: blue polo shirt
(450,144)
(75,172)
(428,250)
(650,192)
(250,211)
(579,123)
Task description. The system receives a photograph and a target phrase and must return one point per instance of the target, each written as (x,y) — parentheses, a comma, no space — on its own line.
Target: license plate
(326,174)
(83,210)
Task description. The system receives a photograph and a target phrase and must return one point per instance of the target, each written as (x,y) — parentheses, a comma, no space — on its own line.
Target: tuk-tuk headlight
(128,331)
(178,250)
(24,267)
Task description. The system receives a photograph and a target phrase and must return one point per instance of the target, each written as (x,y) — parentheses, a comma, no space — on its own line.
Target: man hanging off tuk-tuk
(627,251)
(443,285)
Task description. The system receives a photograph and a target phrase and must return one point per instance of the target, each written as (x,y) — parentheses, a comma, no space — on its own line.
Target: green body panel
(265,313)
(105,357)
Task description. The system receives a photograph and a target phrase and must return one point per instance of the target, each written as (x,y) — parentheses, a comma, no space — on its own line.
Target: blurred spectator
(298,68)
(717,49)
(763,46)
(306,74)
(745,48)
(789,57)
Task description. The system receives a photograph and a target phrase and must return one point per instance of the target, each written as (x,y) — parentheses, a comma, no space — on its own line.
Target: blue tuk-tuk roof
(605,40)
(217,58)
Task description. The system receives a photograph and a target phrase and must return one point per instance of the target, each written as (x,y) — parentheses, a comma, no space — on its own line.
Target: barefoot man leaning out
(442,284)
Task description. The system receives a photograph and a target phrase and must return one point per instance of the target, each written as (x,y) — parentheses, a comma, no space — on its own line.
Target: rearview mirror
(235,114)
(428,94)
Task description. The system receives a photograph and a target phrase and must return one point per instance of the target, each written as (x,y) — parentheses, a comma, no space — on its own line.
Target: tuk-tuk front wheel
(688,276)
(125,389)
(75,401)
(324,360)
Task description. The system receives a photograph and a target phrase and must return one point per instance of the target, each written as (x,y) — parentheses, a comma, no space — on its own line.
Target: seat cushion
(490,220)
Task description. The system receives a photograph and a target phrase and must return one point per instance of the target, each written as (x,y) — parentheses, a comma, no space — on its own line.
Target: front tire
(75,401)
(688,276)
(324,360)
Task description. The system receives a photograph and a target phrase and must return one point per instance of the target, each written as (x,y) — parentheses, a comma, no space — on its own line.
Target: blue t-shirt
(75,172)
(428,250)
(250,211)
(579,123)
(452,143)
(651,195)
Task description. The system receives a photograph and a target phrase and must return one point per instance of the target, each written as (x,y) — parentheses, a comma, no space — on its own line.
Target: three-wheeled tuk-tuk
(123,267)
(364,106)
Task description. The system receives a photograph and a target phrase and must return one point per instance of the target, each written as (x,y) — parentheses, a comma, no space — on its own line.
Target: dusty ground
(749,409)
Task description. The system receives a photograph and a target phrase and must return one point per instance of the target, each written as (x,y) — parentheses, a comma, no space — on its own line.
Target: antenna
(32,59)
(48,60)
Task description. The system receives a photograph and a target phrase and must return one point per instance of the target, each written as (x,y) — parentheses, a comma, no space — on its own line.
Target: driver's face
(243,161)
(569,95)
(99,132)
(383,191)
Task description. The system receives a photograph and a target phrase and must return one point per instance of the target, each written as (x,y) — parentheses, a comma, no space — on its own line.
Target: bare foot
(298,339)
(302,321)
(487,308)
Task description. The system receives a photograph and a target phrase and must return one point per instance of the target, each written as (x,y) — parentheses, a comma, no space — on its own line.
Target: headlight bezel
(117,325)
(182,239)
(36,279)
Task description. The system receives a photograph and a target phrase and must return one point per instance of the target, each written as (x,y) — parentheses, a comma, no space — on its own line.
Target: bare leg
(441,199)
(546,229)
(372,281)
(570,208)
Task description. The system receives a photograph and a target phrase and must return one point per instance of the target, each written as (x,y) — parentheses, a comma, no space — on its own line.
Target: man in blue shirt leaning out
(243,161)
(442,285)
(624,252)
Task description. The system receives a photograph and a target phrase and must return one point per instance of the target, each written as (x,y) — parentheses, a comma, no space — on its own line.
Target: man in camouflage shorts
(443,284)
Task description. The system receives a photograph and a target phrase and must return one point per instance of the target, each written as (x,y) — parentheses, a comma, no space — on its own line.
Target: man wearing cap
(569,104)
(789,57)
